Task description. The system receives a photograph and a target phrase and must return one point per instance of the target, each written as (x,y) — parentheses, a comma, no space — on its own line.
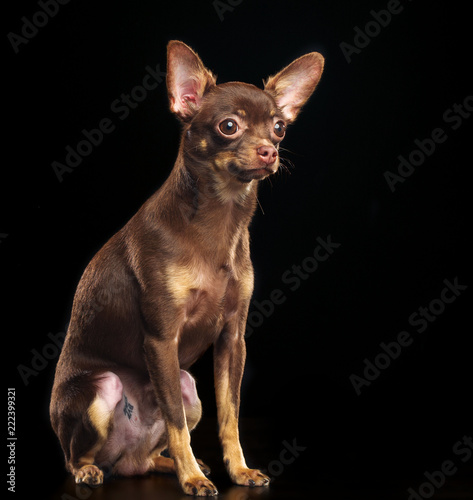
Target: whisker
(261,208)
(285,149)
(190,149)
(289,151)
(286,163)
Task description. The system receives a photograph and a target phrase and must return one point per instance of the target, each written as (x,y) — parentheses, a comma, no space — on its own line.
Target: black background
(396,248)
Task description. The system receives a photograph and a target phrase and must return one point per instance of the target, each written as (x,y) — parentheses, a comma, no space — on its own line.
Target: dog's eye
(228,127)
(280,128)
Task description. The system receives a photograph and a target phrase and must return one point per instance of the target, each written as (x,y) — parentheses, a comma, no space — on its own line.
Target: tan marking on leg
(227,396)
(163,464)
(233,453)
(100,417)
(189,473)
(166,465)
(179,447)
(228,430)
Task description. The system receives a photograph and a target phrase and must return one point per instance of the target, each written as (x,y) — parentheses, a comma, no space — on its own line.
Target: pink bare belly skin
(138,427)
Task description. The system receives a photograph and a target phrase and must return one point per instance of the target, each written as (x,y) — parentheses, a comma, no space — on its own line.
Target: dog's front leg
(163,365)
(229,362)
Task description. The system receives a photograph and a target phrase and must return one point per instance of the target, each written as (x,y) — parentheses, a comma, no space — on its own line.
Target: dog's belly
(138,425)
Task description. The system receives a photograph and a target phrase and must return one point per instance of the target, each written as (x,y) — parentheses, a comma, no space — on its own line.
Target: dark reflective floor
(166,487)
(297,471)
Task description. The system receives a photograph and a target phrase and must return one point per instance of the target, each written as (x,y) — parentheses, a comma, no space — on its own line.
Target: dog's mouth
(246,175)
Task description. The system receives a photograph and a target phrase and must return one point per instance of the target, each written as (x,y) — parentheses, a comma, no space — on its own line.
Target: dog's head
(235,128)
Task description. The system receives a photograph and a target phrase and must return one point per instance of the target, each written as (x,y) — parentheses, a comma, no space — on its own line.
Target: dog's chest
(200,291)
(204,297)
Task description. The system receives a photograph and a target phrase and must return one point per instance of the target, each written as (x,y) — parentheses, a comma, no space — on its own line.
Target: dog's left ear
(293,85)
(187,80)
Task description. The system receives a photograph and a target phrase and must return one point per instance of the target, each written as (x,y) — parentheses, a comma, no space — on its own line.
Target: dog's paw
(199,487)
(89,474)
(249,477)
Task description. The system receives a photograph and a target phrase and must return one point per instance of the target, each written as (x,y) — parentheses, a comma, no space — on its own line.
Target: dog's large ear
(187,80)
(293,85)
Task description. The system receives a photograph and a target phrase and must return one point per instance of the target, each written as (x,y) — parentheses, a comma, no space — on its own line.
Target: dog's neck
(201,205)
(214,195)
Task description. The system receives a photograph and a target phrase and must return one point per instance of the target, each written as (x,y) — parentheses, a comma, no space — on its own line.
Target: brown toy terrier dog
(176,279)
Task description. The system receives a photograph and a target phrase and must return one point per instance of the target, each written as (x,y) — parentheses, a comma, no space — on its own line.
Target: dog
(175,280)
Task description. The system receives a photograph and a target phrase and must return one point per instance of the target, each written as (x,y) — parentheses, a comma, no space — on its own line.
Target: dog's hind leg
(100,415)
(166,465)
(85,424)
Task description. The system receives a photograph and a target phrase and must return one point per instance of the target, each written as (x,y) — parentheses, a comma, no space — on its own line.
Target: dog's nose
(268,154)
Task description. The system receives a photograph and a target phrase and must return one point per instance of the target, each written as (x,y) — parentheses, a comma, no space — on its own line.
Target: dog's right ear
(187,80)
